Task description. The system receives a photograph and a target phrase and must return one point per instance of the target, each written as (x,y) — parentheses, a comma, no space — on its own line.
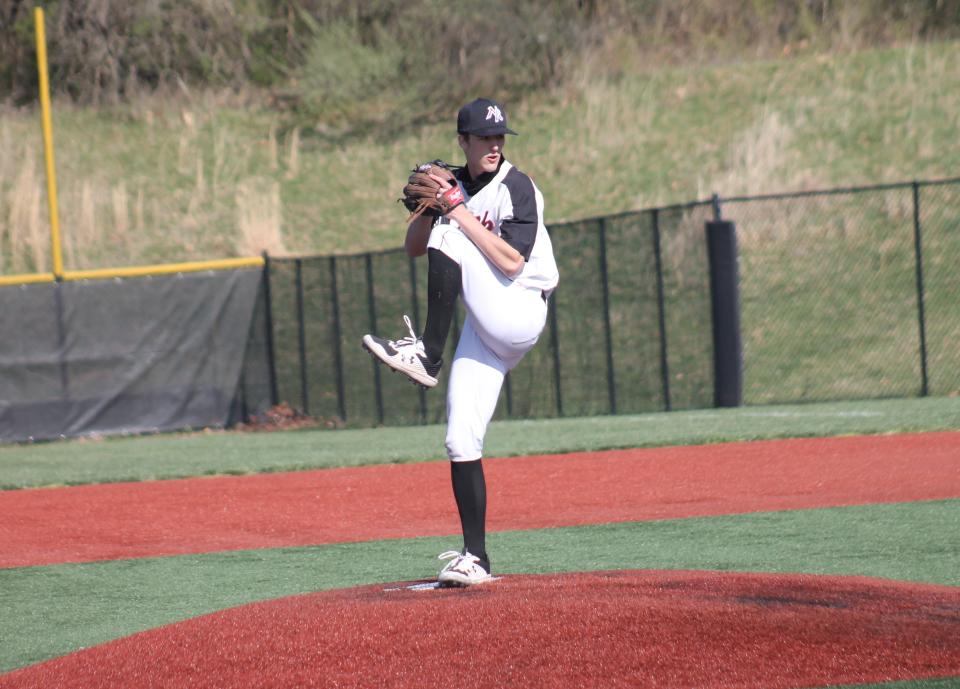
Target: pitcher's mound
(611,629)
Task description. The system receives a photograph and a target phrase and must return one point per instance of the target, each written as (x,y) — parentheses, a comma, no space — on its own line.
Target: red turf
(114,521)
(669,630)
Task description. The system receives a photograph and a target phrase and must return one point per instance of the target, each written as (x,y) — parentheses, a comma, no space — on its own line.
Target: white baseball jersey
(504,316)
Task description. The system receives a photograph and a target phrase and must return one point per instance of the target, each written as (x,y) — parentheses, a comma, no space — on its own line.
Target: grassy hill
(217,175)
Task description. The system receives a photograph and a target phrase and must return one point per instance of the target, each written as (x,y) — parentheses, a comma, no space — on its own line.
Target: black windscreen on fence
(124,355)
(257,381)
(844,294)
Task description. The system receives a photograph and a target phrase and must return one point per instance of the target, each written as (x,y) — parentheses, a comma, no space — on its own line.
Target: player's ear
(464,141)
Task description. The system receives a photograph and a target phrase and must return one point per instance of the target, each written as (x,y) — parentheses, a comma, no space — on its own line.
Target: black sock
(443,288)
(470,491)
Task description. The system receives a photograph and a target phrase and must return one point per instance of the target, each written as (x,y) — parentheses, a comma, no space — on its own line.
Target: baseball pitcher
(481,227)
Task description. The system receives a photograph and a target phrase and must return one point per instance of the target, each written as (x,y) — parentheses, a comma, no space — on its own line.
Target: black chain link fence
(844,294)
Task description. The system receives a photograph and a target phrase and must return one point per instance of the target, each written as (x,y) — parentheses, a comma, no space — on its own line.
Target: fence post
(337,353)
(661,313)
(608,335)
(372,312)
(725,309)
(301,339)
(268,316)
(921,315)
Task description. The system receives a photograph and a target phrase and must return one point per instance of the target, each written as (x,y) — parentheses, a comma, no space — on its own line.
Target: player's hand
(443,183)
(449,196)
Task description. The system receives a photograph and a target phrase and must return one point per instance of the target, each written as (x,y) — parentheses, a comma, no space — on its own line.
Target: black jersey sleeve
(519,230)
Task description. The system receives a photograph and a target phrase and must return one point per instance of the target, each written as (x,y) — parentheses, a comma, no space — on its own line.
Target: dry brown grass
(761,159)
(259,218)
(293,154)
(24,239)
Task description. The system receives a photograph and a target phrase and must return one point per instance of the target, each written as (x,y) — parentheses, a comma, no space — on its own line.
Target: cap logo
(494,112)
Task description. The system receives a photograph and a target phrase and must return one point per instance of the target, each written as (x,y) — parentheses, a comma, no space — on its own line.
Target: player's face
(483,152)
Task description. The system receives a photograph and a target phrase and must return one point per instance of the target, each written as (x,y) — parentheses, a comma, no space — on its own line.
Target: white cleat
(405,355)
(462,570)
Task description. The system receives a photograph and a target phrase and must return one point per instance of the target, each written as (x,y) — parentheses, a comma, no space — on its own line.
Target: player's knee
(461,449)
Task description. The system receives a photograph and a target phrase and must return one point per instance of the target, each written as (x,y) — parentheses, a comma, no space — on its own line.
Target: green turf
(946,683)
(180,455)
(49,611)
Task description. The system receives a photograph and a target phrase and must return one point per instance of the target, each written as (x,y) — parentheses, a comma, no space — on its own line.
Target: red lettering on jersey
(485,220)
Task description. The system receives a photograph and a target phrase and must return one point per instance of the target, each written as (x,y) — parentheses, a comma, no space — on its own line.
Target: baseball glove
(423,195)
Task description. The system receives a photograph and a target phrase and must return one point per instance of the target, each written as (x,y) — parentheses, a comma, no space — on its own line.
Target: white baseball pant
(504,321)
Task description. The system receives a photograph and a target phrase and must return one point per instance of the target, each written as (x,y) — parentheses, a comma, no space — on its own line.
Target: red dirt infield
(669,630)
(156,518)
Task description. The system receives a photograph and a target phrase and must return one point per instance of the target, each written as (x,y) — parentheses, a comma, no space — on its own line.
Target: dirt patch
(671,630)
(283,417)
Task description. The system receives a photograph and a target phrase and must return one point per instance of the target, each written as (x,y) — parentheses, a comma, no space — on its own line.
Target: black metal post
(302,339)
(921,312)
(421,393)
(268,316)
(372,311)
(555,348)
(337,352)
(661,314)
(725,311)
(715,202)
(506,383)
(608,334)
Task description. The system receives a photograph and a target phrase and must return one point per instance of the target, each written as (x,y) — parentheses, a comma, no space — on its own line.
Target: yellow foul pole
(55,249)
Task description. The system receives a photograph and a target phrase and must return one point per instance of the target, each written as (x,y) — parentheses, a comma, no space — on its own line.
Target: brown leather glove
(423,195)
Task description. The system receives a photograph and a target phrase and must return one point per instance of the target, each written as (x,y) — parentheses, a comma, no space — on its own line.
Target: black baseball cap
(483,117)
